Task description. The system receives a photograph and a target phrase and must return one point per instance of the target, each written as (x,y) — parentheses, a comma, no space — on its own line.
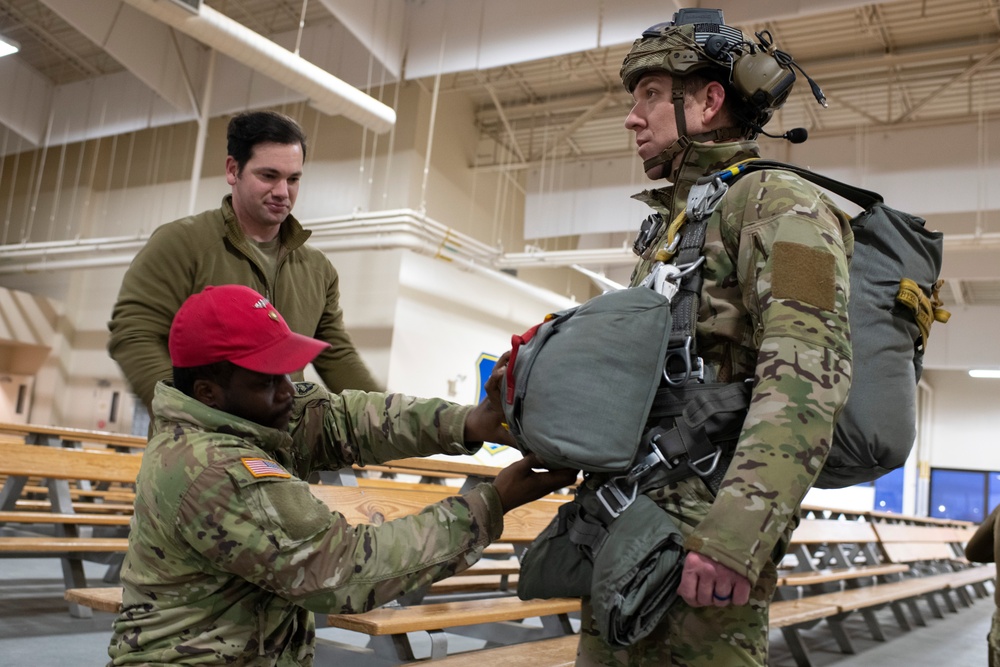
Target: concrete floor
(37,631)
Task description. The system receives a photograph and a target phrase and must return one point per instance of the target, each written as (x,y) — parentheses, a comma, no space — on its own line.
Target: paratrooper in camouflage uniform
(773,309)
(230,553)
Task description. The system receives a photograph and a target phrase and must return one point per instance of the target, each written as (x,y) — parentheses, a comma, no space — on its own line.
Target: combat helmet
(697,41)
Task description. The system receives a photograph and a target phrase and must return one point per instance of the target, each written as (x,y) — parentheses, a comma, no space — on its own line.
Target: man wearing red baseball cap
(229,552)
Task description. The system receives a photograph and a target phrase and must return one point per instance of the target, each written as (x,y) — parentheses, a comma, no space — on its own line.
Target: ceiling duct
(326,92)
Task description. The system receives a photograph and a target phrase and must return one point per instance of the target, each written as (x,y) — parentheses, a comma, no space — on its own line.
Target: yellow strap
(664,255)
(940,314)
(925,311)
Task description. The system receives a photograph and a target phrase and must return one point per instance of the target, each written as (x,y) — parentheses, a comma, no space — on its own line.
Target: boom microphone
(796,135)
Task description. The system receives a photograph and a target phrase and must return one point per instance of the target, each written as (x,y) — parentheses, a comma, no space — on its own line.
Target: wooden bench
(68,539)
(835,551)
(903,559)
(114,494)
(831,552)
(495,573)
(434,469)
(389,625)
(428,471)
(37,434)
(73,518)
(101,599)
(894,595)
(935,547)
(376,505)
(843,553)
(554,652)
(928,545)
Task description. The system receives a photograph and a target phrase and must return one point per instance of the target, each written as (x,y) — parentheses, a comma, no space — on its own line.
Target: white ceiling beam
(484,34)
(378,24)
(142,44)
(327,93)
(25,104)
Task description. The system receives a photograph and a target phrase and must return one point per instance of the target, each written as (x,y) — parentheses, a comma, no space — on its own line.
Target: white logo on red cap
(263,303)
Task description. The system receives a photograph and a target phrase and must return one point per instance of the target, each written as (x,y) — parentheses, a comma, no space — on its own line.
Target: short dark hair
(220,373)
(250,128)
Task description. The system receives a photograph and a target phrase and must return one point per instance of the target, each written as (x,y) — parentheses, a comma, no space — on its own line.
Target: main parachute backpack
(893,302)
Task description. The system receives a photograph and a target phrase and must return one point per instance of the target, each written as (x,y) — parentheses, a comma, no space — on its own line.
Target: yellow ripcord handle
(926,311)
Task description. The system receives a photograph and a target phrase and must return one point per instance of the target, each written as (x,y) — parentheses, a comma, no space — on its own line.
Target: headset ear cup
(762,80)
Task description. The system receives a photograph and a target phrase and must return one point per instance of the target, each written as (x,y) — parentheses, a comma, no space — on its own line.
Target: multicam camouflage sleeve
(331,428)
(273,532)
(792,268)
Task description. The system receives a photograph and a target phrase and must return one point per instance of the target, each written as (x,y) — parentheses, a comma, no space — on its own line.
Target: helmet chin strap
(673,150)
(683,139)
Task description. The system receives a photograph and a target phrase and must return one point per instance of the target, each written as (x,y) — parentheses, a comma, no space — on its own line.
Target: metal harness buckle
(715,457)
(704,197)
(653,459)
(615,499)
(692,367)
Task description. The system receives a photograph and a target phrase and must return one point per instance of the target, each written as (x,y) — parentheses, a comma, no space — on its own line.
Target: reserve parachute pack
(587,387)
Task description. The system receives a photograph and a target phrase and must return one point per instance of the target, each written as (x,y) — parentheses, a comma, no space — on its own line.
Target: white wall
(946,175)
(584,198)
(447,316)
(965,430)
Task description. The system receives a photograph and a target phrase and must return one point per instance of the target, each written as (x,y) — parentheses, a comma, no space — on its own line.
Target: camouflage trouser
(993,640)
(691,637)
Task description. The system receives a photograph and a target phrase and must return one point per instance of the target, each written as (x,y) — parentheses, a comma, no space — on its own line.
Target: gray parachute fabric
(878,425)
(894,272)
(583,402)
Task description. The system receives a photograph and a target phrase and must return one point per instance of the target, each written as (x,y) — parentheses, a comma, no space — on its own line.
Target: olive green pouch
(636,573)
(554,567)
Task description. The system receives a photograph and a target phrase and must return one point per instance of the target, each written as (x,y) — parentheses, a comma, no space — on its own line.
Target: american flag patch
(264,468)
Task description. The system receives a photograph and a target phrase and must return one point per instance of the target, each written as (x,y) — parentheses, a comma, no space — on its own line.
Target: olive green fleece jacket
(183,257)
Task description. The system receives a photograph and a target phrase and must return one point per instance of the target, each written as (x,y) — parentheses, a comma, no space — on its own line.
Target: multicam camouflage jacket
(229,551)
(774,309)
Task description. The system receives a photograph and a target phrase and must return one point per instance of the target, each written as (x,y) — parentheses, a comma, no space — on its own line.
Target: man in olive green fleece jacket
(252,240)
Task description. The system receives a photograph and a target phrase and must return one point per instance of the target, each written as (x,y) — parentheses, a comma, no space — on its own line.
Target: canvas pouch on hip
(636,573)
(553,566)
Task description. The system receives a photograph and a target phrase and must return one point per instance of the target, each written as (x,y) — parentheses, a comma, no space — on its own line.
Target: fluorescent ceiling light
(8,46)
(984,373)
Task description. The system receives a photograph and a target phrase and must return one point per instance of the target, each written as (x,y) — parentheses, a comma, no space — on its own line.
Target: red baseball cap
(234,323)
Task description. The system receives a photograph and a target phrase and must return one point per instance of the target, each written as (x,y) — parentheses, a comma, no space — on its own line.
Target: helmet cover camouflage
(680,50)
(753,73)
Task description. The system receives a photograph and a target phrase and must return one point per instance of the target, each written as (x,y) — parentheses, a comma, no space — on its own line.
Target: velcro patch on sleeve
(803,274)
(264,468)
